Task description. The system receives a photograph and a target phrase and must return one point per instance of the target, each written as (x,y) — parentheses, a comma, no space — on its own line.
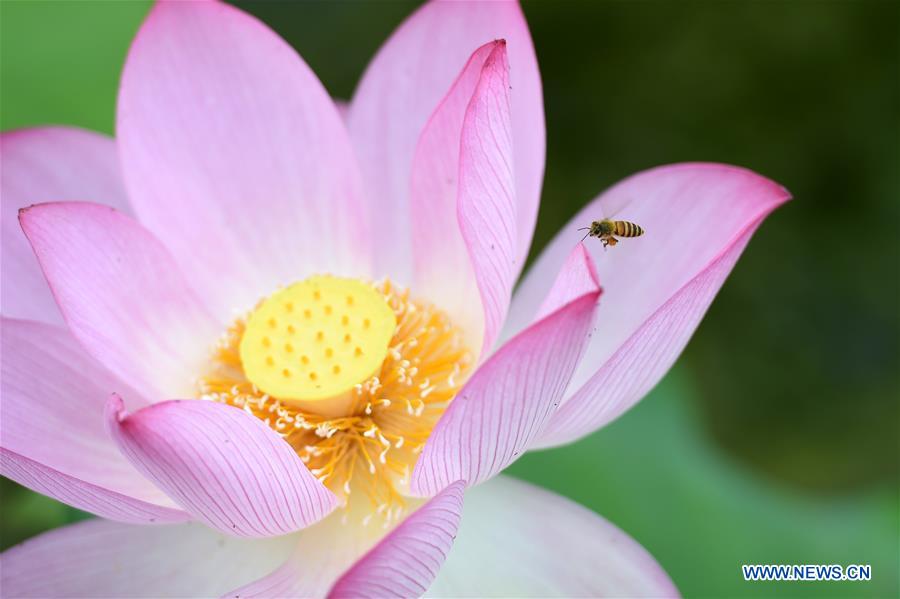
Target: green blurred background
(775,438)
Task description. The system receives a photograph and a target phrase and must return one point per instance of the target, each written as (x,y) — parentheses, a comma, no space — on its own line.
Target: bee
(606,228)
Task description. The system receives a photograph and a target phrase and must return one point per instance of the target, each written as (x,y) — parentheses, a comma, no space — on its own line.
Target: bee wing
(614,208)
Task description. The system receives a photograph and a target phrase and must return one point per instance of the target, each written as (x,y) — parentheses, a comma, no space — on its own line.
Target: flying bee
(605,230)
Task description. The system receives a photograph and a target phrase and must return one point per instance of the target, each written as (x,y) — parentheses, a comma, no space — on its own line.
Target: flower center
(316,339)
(353,375)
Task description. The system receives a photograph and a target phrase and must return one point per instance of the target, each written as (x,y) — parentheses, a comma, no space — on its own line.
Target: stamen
(370,448)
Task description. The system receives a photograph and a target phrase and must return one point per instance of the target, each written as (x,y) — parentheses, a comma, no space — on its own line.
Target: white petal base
(517,540)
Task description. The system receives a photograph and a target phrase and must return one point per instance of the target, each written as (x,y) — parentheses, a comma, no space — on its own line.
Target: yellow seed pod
(317,338)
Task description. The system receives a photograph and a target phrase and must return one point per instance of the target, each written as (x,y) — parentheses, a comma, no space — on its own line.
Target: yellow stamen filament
(368,450)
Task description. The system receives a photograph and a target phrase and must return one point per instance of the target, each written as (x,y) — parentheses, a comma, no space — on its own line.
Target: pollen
(279,324)
(399,360)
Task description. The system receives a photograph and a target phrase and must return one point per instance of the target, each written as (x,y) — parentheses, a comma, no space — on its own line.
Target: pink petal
(53,426)
(517,540)
(486,207)
(507,402)
(83,495)
(697,219)
(406,562)
(122,295)
(42,165)
(98,558)
(399,92)
(443,258)
(635,368)
(224,466)
(236,157)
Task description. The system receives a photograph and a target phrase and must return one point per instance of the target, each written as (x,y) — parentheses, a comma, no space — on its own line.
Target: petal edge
(84,495)
(48,164)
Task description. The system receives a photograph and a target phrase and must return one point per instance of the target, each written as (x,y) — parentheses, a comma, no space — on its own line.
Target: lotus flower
(327,293)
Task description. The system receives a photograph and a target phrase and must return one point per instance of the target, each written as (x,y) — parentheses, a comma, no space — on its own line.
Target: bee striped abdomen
(628,229)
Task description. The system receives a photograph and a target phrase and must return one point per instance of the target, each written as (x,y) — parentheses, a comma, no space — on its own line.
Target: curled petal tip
(115,407)
(24,212)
